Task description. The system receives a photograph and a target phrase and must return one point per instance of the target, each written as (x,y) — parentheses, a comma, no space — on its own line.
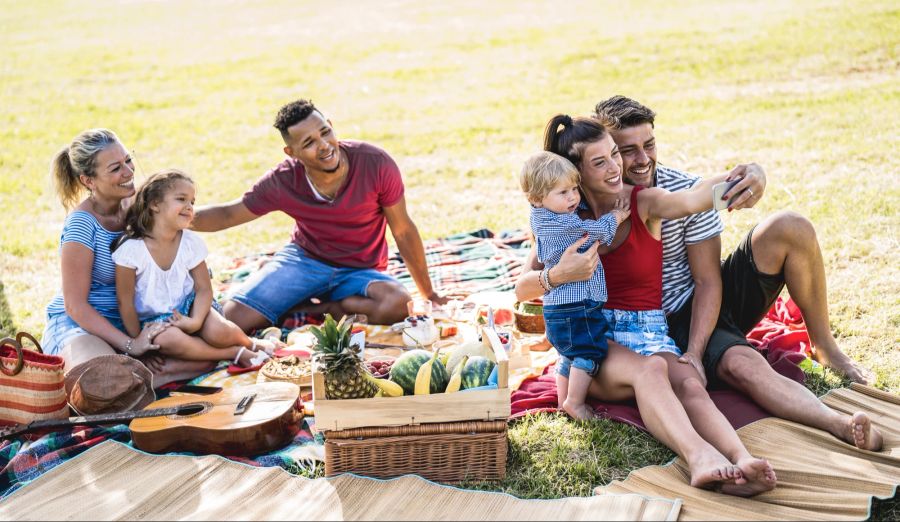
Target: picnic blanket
(781,337)
(459,265)
(819,476)
(538,394)
(462,264)
(114,482)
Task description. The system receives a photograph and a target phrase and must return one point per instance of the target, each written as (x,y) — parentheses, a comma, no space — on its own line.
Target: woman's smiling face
(601,167)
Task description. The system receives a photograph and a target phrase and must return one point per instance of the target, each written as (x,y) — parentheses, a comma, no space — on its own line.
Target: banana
(456,378)
(423,376)
(386,388)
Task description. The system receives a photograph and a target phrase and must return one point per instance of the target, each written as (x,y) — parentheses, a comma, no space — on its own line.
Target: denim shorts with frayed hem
(292,277)
(61,329)
(645,331)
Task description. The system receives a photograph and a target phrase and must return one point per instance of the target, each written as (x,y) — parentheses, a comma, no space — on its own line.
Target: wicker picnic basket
(448,452)
(445,437)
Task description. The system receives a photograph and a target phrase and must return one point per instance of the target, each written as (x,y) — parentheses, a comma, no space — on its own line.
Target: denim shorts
(61,329)
(643,332)
(184,309)
(292,277)
(578,332)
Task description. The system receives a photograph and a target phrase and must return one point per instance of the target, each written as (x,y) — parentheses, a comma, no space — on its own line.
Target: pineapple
(345,374)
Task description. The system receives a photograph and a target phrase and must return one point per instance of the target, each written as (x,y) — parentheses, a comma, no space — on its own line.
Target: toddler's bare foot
(760,477)
(862,434)
(580,411)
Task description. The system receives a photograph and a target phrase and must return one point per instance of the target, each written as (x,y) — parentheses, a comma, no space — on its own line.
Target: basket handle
(31,338)
(20,357)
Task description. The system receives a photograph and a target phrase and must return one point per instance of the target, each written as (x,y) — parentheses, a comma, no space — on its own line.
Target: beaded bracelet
(550,285)
(541,280)
(544,279)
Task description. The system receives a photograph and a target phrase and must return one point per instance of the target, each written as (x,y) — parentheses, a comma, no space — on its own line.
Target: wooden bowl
(292,368)
(530,322)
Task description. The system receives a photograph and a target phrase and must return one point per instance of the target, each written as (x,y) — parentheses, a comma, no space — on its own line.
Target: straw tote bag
(31,383)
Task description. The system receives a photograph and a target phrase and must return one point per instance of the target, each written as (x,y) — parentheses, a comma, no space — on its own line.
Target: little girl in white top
(161,276)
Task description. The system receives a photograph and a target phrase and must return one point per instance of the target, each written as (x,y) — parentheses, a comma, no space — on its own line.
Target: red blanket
(781,337)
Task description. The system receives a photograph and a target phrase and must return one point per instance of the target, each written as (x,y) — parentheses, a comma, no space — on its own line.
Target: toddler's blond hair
(543,171)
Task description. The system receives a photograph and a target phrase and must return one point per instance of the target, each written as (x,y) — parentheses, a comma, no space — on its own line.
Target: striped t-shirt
(678,284)
(82,227)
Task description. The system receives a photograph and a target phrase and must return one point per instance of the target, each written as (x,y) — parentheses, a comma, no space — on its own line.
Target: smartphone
(199,390)
(720,190)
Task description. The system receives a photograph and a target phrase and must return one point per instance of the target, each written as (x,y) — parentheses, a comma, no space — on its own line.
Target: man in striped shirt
(712,304)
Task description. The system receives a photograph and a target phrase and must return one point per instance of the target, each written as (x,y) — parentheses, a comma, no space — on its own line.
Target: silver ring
(751,192)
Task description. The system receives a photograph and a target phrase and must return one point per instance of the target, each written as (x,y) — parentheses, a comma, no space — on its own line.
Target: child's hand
(621,210)
(184,323)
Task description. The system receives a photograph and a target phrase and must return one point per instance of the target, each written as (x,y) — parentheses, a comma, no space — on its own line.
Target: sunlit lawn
(458,93)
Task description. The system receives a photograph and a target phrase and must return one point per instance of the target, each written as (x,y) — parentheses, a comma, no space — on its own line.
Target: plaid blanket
(459,265)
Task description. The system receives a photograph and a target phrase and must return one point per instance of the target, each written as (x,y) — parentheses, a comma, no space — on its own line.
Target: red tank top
(634,269)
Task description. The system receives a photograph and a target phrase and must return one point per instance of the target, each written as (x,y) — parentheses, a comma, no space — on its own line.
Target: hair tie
(567,120)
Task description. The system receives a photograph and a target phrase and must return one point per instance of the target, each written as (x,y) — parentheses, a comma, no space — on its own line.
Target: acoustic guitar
(240,421)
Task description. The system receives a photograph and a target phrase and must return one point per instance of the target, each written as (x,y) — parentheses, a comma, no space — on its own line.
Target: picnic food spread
(290,368)
(345,373)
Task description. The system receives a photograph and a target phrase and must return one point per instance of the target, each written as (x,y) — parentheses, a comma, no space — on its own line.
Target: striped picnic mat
(819,476)
(115,482)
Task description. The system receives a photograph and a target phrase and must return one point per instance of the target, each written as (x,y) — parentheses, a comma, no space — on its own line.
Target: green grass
(458,93)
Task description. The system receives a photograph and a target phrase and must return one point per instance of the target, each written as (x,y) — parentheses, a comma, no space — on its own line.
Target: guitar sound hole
(191,410)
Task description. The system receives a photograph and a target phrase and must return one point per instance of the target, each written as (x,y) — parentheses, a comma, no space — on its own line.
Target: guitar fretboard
(90,420)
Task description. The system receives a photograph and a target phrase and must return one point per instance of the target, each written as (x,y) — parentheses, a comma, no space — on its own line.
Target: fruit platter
(447,382)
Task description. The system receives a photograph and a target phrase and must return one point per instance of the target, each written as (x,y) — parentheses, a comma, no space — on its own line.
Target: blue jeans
(578,332)
(292,277)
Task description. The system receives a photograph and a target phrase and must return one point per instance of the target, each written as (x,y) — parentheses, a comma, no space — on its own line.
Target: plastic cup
(416,307)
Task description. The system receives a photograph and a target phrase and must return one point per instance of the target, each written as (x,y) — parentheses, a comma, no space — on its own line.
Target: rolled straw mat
(112,482)
(819,477)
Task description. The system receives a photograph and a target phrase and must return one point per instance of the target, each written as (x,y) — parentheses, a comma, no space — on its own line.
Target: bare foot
(714,472)
(845,366)
(581,411)
(862,434)
(760,477)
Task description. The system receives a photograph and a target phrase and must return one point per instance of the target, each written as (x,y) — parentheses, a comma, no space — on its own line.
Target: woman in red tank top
(695,428)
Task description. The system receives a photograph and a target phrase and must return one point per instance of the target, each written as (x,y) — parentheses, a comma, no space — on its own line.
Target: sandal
(259,357)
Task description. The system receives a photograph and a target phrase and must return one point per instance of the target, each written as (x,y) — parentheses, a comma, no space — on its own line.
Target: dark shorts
(578,332)
(747,295)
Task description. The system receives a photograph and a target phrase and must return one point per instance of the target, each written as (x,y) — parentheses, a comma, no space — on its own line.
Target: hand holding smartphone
(720,190)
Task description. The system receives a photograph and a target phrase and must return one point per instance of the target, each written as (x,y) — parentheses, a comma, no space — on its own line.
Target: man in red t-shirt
(342,195)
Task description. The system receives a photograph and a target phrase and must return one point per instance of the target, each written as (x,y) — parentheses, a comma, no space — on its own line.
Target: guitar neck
(87,420)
